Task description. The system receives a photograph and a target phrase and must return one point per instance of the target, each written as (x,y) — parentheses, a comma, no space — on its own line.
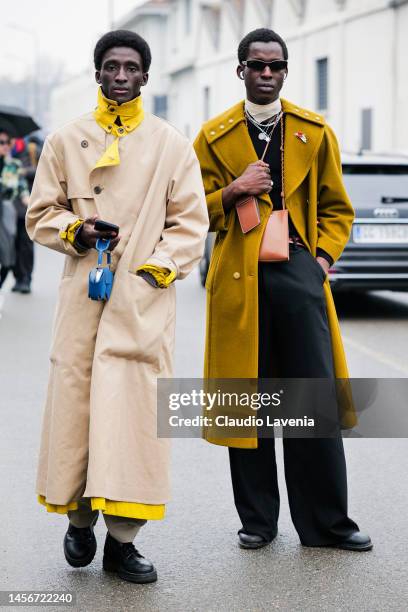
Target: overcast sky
(66,30)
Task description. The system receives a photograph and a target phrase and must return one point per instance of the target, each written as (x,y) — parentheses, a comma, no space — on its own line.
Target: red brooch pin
(301,136)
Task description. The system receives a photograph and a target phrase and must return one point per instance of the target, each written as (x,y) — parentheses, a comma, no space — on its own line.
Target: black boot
(80,545)
(127,562)
(22,286)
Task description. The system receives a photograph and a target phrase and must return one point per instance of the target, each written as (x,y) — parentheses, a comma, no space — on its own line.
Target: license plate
(385,234)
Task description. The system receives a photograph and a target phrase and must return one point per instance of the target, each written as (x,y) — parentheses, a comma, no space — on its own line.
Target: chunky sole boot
(127,562)
(79,545)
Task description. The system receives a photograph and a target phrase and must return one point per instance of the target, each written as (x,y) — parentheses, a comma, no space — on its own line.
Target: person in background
(28,153)
(13,187)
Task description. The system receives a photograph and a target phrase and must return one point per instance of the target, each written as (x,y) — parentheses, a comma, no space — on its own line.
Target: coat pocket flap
(79,192)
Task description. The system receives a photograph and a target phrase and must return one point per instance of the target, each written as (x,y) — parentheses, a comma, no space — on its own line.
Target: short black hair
(122,38)
(260,35)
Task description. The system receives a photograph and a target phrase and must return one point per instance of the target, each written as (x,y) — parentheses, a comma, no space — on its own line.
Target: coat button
(121,130)
(98,189)
(111,109)
(236,275)
(84,144)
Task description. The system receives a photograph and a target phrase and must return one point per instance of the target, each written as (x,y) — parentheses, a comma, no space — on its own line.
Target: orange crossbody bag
(275,239)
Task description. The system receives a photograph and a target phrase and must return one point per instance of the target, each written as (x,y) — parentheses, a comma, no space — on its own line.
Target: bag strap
(101,246)
(281,148)
(270,135)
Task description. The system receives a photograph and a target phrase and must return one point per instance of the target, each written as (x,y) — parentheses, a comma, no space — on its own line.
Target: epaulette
(223,123)
(303,113)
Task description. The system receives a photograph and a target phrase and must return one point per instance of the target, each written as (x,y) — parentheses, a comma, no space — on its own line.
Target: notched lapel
(236,151)
(299,155)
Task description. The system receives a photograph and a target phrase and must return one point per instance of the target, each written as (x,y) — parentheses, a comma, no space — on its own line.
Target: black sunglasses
(259,65)
(3,142)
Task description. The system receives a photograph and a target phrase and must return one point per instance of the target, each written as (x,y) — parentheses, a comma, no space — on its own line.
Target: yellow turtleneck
(131,115)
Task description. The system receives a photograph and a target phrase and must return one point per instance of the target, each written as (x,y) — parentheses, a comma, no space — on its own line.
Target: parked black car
(376,256)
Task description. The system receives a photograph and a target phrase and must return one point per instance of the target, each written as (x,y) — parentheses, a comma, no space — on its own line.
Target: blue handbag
(101,277)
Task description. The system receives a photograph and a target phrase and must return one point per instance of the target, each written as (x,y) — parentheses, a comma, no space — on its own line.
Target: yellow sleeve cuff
(69,233)
(163,276)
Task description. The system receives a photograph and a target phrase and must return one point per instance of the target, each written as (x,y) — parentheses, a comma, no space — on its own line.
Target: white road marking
(376,355)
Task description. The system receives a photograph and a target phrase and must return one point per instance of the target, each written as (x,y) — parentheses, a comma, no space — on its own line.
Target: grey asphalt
(194,549)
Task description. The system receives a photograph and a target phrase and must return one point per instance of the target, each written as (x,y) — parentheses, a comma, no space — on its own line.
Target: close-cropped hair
(260,35)
(122,38)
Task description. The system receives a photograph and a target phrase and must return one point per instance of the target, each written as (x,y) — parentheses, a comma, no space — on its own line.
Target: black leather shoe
(127,562)
(79,545)
(25,287)
(355,541)
(21,287)
(249,540)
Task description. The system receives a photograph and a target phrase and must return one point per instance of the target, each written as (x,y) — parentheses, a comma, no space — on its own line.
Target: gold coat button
(236,275)
(222,126)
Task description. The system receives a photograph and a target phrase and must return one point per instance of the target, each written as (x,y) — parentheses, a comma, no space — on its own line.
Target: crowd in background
(18,162)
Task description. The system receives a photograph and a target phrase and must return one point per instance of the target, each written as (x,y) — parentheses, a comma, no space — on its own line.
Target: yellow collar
(131,115)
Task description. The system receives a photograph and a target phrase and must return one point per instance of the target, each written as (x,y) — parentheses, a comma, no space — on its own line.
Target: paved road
(200,567)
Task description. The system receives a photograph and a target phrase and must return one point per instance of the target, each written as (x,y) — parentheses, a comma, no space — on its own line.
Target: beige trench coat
(99,427)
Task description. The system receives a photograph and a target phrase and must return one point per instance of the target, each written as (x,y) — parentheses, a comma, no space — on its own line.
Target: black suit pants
(23,267)
(294,342)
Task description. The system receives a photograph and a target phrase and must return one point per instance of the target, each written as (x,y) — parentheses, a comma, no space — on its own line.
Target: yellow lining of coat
(149,512)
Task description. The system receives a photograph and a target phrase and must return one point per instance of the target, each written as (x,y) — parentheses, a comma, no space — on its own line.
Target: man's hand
(256,179)
(88,236)
(324,263)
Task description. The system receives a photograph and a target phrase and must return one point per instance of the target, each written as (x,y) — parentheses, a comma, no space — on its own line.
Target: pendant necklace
(265,129)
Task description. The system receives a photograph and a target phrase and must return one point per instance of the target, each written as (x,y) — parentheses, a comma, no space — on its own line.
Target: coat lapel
(298,155)
(235,149)
(230,141)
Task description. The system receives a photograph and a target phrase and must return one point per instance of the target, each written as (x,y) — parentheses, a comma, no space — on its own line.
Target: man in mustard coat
(277,319)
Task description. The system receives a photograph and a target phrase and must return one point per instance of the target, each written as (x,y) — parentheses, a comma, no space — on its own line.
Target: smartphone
(104,226)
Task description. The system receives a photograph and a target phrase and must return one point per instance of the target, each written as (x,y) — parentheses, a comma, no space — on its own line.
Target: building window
(160,106)
(187,16)
(212,19)
(206,103)
(366,128)
(322,66)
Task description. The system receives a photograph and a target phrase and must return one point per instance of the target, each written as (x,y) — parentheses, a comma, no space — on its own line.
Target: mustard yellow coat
(319,208)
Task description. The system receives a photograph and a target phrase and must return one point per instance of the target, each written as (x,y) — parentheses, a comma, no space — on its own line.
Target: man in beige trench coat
(99,446)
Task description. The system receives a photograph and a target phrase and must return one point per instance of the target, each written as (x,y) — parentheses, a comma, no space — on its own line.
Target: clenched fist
(255,180)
